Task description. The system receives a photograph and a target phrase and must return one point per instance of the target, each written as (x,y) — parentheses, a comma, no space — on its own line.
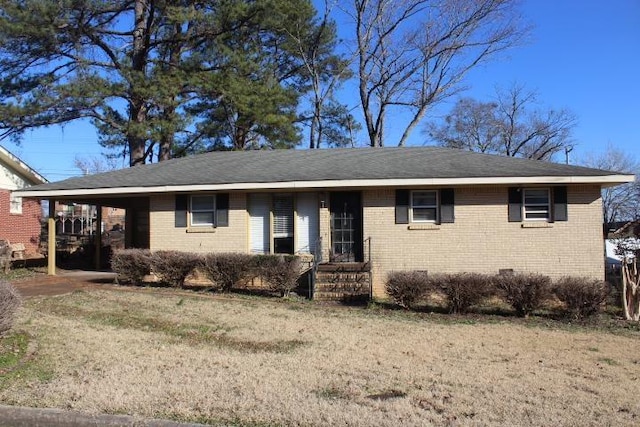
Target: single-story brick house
(19,219)
(382,209)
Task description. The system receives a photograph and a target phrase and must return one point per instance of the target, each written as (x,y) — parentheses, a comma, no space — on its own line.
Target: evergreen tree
(154,76)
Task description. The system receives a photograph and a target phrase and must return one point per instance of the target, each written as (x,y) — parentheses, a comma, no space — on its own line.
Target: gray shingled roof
(319,165)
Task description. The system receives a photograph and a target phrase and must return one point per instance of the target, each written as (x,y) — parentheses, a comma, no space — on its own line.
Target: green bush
(524,292)
(281,272)
(405,288)
(462,290)
(10,301)
(582,296)
(227,269)
(173,267)
(131,265)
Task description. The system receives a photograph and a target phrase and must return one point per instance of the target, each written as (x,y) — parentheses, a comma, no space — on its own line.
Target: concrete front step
(342,287)
(326,277)
(342,281)
(340,296)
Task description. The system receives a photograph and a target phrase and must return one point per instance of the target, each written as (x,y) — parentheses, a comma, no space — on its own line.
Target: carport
(136,219)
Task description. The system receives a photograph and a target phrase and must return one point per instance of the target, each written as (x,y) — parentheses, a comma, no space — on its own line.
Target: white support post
(51,239)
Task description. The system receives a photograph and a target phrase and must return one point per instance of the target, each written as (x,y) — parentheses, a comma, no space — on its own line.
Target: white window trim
(547,205)
(192,211)
(15,204)
(436,206)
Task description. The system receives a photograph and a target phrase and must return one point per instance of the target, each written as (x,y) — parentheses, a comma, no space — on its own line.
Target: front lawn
(257,361)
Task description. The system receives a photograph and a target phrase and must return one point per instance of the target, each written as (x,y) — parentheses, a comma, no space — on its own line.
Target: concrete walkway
(43,417)
(65,282)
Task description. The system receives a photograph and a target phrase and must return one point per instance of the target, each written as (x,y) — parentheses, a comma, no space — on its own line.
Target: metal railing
(366,249)
(317,259)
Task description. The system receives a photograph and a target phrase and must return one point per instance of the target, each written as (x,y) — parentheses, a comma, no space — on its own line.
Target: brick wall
(482,240)
(165,236)
(20,228)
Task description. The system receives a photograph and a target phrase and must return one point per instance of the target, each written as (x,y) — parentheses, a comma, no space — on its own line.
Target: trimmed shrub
(462,290)
(173,267)
(131,265)
(405,288)
(281,272)
(10,301)
(524,292)
(581,296)
(226,269)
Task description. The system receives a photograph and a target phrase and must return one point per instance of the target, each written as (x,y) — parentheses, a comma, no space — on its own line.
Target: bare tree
(326,71)
(531,133)
(94,164)
(412,54)
(622,202)
(510,126)
(627,245)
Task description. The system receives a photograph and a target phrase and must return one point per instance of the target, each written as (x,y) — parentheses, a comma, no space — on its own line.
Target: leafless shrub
(279,271)
(462,290)
(173,267)
(131,265)
(524,292)
(9,303)
(226,269)
(5,256)
(405,288)
(582,296)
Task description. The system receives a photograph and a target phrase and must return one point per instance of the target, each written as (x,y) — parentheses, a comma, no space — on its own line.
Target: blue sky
(583,55)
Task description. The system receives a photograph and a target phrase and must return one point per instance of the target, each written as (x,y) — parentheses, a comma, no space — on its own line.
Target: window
(283,223)
(274,220)
(15,204)
(424,206)
(203,210)
(536,204)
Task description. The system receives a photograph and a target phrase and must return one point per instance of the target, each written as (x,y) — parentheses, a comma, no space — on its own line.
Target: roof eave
(21,168)
(604,180)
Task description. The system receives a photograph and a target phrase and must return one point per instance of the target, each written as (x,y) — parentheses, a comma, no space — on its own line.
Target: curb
(15,416)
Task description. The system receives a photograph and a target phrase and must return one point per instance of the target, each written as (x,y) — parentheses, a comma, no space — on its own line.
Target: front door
(346,226)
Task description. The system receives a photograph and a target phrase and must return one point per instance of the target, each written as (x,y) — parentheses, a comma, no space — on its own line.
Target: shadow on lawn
(609,320)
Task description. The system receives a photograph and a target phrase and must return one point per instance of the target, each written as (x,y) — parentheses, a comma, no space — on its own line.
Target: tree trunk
(137,107)
(631,289)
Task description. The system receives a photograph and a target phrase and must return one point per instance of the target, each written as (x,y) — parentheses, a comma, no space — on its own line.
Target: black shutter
(515,204)
(402,206)
(560,204)
(222,210)
(447,200)
(181,208)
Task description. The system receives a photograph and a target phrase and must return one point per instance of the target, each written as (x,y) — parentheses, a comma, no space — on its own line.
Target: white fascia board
(21,168)
(606,180)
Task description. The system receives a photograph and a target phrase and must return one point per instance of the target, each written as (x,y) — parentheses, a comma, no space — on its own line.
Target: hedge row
(525,293)
(225,270)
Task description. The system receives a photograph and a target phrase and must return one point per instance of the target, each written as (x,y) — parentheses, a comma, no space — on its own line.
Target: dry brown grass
(258,362)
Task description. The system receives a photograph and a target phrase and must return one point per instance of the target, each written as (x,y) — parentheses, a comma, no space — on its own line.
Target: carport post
(51,239)
(98,237)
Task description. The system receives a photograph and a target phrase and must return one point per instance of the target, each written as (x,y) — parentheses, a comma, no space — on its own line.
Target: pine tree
(156,77)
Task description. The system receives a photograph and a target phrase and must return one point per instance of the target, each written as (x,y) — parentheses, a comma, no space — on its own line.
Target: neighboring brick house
(20,219)
(364,210)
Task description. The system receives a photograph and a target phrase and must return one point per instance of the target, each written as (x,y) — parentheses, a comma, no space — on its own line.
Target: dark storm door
(346,226)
